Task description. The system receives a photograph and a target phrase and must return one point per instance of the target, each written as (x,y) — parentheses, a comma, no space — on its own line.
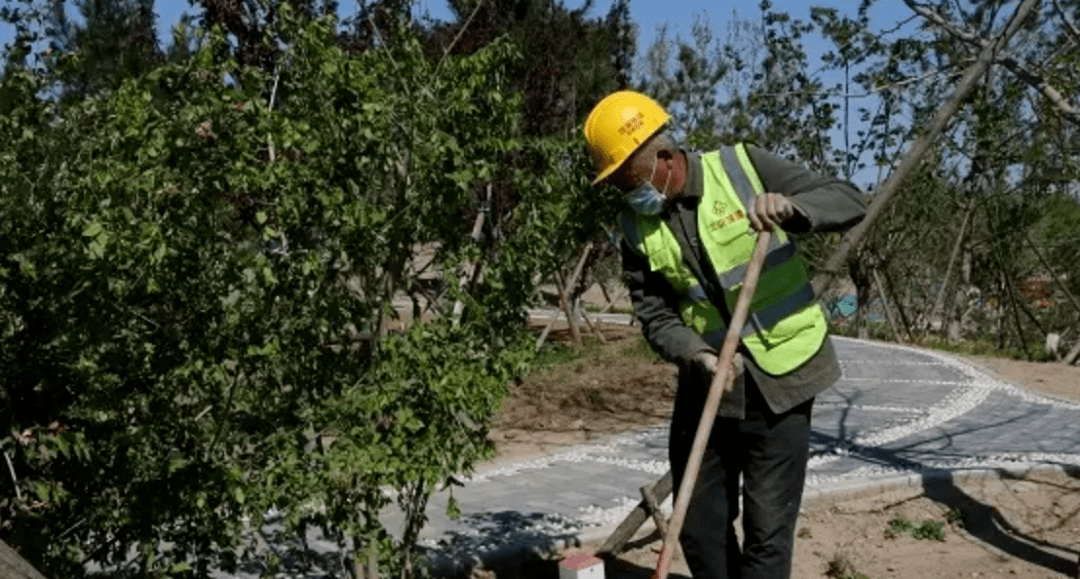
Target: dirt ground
(1014,526)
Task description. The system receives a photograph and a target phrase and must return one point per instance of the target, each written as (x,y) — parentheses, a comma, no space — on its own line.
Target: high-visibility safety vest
(785,326)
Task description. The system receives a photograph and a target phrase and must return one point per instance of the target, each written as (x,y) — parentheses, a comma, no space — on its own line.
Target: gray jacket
(829,204)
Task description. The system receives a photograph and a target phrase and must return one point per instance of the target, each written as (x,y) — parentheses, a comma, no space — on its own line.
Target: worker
(687,236)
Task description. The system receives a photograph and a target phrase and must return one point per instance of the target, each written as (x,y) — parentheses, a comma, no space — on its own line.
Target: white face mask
(645,198)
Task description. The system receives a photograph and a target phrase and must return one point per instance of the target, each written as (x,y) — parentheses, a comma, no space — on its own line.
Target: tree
(994,160)
(200,297)
(752,87)
(116,40)
(981,189)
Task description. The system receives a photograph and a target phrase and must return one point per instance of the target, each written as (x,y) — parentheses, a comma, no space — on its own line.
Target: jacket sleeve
(656,306)
(827,203)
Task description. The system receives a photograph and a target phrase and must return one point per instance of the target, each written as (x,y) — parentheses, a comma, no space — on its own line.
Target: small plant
(898,526)
(930,530)
(955,516)
(840,567)
(926,530)
(804,533)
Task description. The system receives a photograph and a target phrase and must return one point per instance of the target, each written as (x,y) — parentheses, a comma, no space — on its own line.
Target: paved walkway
(897,413)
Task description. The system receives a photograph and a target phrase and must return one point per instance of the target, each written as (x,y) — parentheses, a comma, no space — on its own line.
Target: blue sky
(648,14)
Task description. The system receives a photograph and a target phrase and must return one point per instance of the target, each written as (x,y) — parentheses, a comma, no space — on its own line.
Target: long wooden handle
(722,380)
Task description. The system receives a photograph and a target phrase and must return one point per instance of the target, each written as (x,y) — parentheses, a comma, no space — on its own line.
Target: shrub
(195,283)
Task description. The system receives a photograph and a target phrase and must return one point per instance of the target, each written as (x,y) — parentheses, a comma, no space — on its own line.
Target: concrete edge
(864,488)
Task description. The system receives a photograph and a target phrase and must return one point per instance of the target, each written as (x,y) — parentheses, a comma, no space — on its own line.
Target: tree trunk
(889,289)
(955,314)
(999,326)
(885,304)
(939,310)
(562,298)
(860,276)
(1073,354)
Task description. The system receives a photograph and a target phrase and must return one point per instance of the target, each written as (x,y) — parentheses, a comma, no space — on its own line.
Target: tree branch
(943,23)
(869,92)
(913,157)
(1036,81)
(1070,26)
(1062,104)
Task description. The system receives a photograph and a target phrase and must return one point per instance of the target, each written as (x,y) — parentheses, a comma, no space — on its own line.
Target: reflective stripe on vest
(785,326)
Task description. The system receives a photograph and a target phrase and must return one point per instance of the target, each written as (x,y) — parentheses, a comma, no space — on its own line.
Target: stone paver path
(897,412)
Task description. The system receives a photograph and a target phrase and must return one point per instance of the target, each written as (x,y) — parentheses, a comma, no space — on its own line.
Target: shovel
(721,384)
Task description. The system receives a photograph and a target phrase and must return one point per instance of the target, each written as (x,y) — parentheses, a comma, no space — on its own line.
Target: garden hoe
(721,383)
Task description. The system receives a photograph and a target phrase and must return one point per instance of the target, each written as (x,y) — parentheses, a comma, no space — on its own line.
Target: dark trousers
(770,452)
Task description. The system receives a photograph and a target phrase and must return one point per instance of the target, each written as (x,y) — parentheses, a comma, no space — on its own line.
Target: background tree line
(215,246)
(980,245)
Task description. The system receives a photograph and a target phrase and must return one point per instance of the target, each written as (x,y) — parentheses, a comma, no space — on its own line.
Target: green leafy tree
(752,86)
(115,40)
(568,62)
(200,290)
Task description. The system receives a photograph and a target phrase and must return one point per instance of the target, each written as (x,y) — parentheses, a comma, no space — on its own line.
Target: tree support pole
(901,312)
(562,298)
(472,271)
(1072,356)
(1075,351)
(607,296)
(1015,308)
(637,517)
(594,327)
(564,303)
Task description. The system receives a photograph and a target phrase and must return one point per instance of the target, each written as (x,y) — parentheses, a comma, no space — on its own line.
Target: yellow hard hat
(618,125)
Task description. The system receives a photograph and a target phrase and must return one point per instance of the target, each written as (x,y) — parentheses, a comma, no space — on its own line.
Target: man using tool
(687,237)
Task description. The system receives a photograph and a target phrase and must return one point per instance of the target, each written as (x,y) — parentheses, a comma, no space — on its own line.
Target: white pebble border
(958,402)
(906,381)
(871,408)
(885,363)
(597,516)
(656,467)
(974,374)
(591,453)
(968,395)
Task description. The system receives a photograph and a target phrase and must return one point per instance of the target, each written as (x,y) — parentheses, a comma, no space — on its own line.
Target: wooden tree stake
(637,517)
